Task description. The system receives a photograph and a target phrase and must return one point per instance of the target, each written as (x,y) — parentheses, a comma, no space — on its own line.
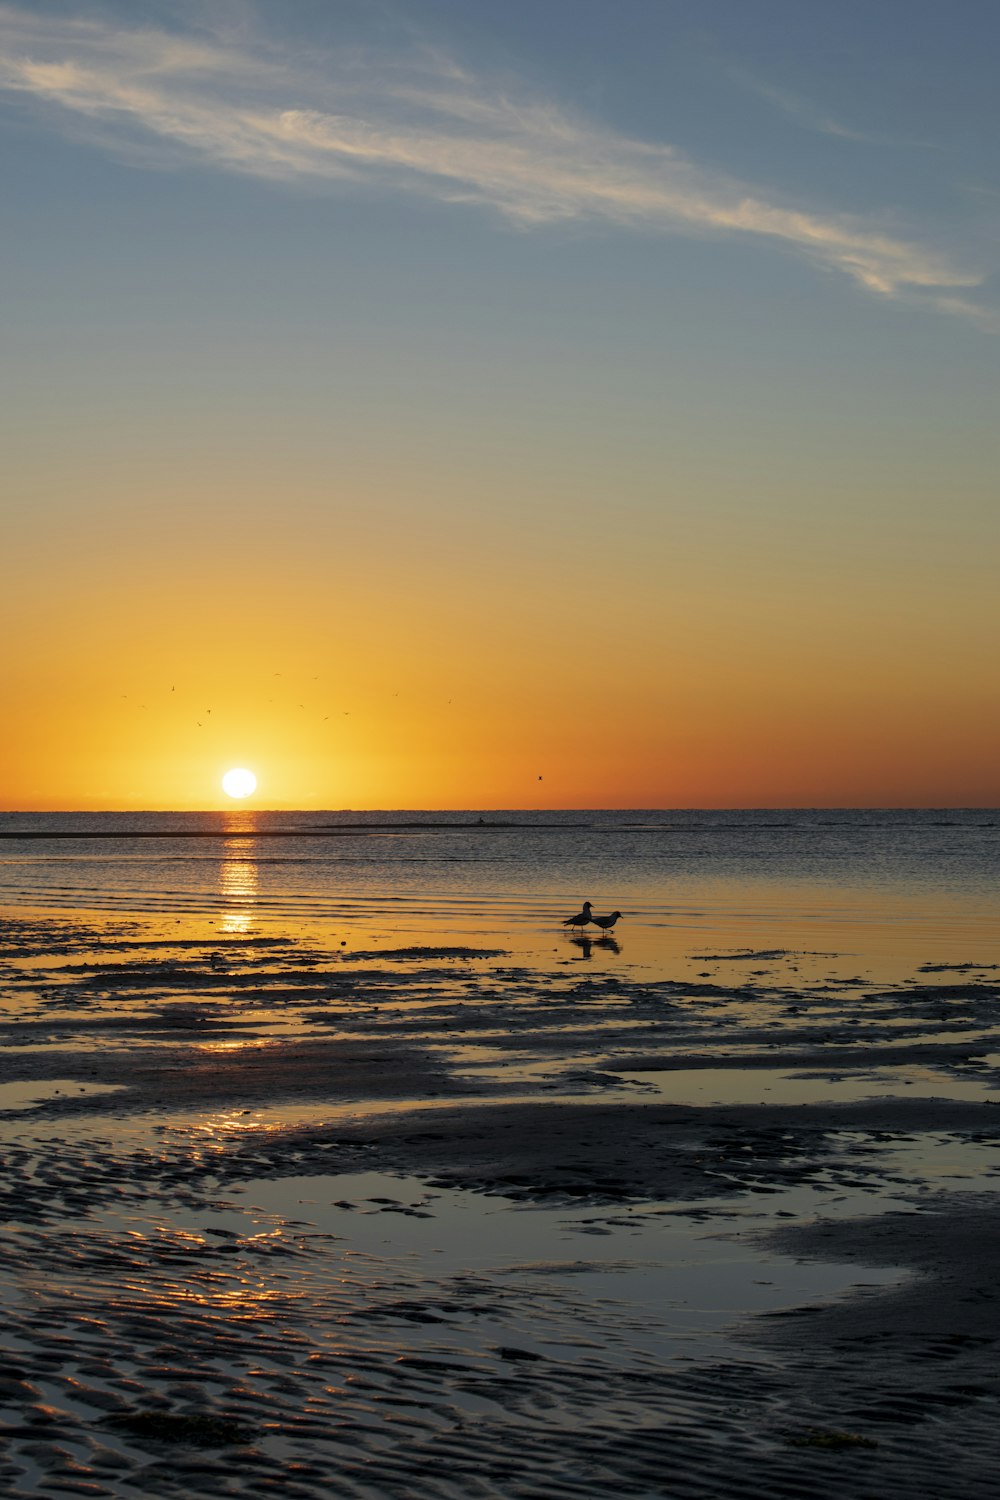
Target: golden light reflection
(220,1127)
(238,885)
(239,1045)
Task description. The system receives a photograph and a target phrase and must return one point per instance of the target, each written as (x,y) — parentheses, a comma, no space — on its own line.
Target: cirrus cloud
(422,124)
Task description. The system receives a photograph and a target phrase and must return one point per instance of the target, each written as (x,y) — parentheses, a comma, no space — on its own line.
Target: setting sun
(239,782)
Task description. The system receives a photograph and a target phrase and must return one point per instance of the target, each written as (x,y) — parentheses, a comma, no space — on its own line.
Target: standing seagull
(581,919)
(606,923)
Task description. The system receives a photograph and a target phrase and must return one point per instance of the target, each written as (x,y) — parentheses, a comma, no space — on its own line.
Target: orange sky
(365,664)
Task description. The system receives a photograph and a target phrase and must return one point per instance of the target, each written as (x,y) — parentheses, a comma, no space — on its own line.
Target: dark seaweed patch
(831,1441)
(193,1430)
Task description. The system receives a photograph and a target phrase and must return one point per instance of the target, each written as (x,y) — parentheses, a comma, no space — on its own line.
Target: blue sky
(855,137)
(803,186)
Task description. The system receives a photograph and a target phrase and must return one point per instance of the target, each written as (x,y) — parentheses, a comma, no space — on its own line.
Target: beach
(285,1213)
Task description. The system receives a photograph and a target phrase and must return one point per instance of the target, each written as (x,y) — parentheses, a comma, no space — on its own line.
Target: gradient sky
(412,401)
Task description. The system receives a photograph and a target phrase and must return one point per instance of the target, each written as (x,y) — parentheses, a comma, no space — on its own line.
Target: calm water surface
(910,886)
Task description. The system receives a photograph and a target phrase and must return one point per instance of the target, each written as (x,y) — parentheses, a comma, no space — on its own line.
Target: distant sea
(898,884)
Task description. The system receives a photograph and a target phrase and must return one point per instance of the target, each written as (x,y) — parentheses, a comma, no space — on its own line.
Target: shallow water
(680,1289)
(358,1324)
(885,888)
(783,1086)
(388,1335)
(21,1096)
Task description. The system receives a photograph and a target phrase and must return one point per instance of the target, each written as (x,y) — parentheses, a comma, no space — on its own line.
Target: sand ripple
(166,1336)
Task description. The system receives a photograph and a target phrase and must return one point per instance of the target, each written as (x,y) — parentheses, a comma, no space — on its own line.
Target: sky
(574,403)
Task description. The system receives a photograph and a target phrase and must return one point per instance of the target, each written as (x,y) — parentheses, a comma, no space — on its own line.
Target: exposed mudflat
(424,1222)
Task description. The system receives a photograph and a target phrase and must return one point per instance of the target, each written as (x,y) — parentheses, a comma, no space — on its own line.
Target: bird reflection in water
(238,879)
(587,944)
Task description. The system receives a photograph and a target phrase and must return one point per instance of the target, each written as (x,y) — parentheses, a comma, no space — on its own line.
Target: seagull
(606,923)
(581,919)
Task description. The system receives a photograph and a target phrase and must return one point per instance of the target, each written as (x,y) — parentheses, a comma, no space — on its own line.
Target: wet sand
(282,1217)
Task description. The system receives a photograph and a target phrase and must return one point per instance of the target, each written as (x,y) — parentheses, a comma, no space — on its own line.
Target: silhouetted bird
(581,919)
(606,923)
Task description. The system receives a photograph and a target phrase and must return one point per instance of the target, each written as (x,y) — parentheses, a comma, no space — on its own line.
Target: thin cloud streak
(422,124)
(815,118)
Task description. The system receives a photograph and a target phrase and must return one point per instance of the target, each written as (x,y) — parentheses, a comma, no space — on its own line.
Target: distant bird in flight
(606,923)
(581,919)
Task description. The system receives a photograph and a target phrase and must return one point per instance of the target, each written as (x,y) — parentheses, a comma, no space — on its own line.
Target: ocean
(886,888)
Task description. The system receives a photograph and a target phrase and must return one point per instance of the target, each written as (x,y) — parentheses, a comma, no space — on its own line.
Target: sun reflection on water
(239,879)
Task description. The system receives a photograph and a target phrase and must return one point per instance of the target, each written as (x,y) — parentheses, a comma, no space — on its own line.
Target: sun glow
(239,782)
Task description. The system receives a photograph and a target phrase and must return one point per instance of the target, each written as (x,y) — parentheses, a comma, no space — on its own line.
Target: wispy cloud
(423,124)
(814,117)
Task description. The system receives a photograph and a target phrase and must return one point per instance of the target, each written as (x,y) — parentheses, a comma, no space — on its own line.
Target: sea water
(892,887)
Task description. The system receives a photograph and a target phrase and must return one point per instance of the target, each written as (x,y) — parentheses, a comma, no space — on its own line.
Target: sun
(239,783)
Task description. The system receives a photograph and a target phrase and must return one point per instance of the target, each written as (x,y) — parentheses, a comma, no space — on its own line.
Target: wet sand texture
(163,1336)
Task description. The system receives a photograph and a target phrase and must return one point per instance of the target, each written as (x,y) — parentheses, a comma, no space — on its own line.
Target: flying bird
(606,923)
(581,919)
